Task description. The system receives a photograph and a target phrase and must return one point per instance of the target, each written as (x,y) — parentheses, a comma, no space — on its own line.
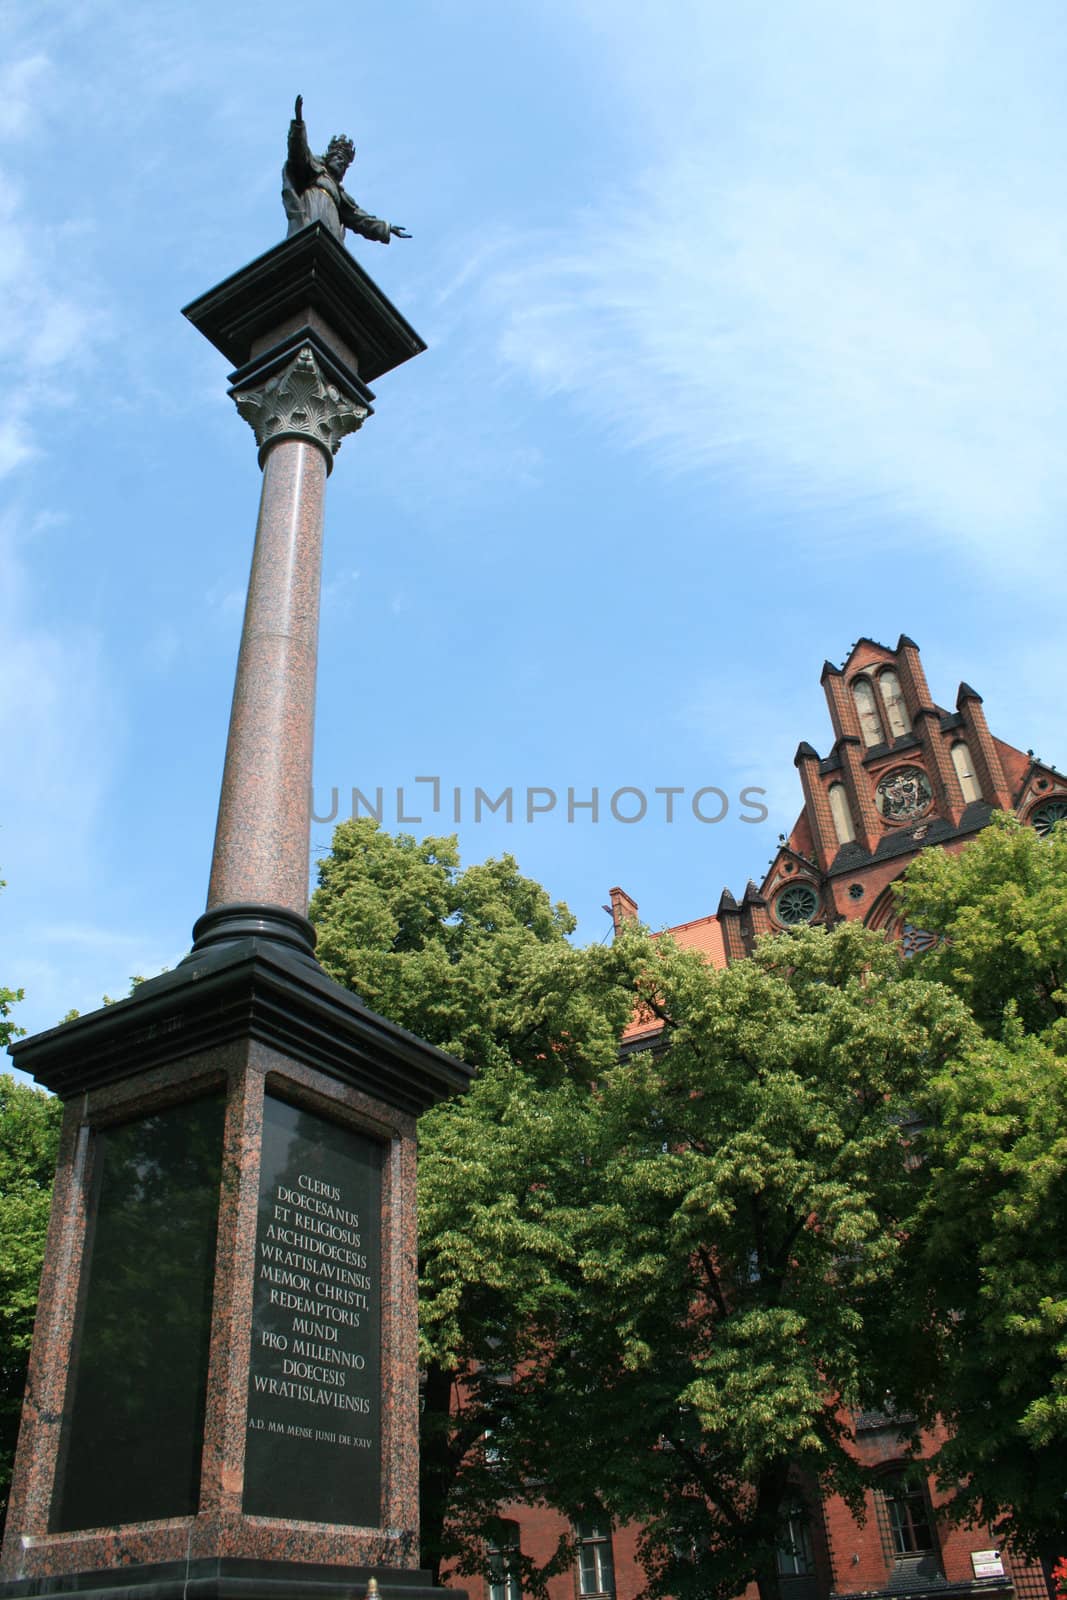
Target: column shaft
(261,839)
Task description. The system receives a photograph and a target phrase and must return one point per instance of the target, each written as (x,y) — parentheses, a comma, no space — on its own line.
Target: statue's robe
(311,194)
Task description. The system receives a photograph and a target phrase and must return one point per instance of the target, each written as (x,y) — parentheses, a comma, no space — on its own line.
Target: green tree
(989,1290)
(474,959)
(647,1286)
(8,1028)
(999,910)
(503,1180)
(8,997)
(29,1133)
(751,1187)
(477,960)
(982,1336)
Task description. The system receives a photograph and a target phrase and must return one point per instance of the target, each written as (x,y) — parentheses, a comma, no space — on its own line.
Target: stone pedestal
(224,1364)
(222,1396)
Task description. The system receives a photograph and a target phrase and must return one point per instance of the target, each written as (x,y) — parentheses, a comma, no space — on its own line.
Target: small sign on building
(987,1564)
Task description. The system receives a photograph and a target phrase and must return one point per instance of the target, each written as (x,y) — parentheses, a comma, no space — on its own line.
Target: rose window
(913,940)
(796,904)
(1045,818)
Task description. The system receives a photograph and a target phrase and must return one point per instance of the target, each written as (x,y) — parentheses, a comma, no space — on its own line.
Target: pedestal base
(230,1580)
(223,1376)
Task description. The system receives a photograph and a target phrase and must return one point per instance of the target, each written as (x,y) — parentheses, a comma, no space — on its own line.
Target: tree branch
(711,1487)
(713,1280)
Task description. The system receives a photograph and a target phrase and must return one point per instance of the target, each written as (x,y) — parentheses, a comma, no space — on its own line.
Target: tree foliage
(474,959)
(477,960)
(990,1288)
(29,1133)
(649,1285)
(9,1029)
(999,909)
(657,1285)
(753,1190)
(983,1332)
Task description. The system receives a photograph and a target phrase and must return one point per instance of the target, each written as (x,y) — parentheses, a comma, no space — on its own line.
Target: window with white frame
(505,1581)
(596,1568)
(904,1511)
(796,1555)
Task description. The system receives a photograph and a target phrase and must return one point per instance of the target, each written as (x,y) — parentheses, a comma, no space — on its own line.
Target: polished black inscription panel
(134,1422)
(313,1449)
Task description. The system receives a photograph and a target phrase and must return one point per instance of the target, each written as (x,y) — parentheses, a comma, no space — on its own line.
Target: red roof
(704,935)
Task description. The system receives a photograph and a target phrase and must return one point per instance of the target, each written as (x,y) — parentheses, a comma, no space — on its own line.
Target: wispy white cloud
(820,304)
(18,81)
(53,322)
(52,327)
(15,446)
(59,710)
(223,603)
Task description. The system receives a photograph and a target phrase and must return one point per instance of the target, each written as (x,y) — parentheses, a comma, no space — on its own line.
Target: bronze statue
(312,192)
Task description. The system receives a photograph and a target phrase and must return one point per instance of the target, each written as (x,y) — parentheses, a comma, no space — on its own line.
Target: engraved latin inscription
(314,1403)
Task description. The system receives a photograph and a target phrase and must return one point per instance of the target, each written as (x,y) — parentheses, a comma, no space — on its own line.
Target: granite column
(261,839)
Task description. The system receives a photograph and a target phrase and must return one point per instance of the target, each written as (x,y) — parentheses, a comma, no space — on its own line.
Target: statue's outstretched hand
(298,113)
(396,232)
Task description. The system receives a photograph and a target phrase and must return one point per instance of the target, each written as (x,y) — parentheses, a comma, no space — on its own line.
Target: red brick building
(902,774)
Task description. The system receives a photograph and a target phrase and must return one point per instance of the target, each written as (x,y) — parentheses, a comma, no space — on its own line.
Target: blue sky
(747,335)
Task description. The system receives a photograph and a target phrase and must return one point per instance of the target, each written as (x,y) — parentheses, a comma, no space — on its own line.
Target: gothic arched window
(961,760)
(913,940)
(896,710)
(841,813)
(867,706)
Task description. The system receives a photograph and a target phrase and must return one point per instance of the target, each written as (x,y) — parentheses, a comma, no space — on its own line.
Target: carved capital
(298,403)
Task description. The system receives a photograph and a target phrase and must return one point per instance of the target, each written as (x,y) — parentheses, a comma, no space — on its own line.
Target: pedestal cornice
(307,279)
(250,986)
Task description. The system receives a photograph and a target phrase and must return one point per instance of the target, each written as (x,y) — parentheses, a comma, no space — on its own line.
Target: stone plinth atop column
(304,289)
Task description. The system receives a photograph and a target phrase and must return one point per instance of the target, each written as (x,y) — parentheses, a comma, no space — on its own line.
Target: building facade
(902,775)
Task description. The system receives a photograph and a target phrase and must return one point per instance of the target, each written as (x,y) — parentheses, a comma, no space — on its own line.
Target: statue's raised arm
(312,192)
(299,166)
